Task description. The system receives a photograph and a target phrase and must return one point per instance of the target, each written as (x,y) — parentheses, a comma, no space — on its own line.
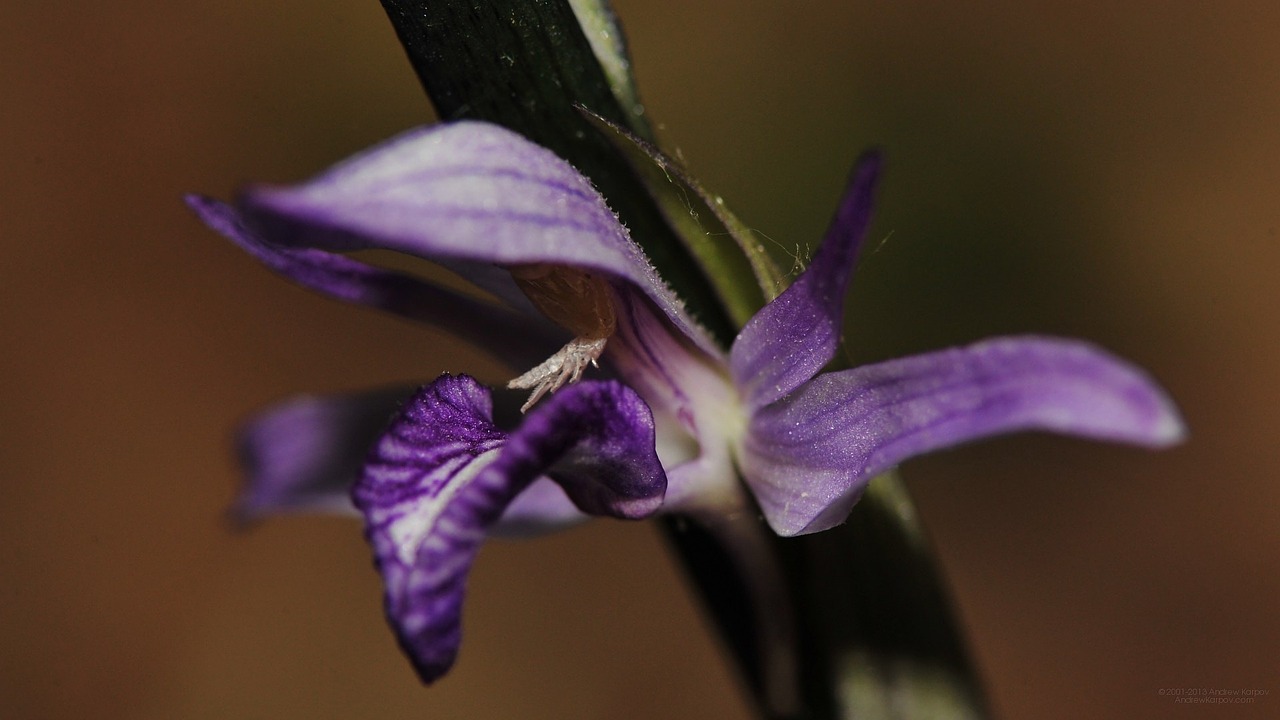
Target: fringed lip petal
(791,338)
(508,335)
(464,191)
(443,474)
(808,457)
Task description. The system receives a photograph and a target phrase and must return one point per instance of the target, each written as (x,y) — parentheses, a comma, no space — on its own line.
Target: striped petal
(791,338)
(443,474)
(808,457)
(462,192)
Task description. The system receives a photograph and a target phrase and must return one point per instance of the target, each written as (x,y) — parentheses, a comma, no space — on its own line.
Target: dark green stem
(890,642)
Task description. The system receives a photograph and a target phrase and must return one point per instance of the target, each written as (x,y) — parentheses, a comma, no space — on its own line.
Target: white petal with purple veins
(443,474)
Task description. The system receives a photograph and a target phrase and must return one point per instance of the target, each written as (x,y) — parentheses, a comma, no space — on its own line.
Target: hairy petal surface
(443,474)
(791,338)
(465,191)
(507,335)
(808,457)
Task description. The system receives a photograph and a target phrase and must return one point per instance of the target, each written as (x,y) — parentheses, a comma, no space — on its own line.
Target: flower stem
(883,616)
(876,638)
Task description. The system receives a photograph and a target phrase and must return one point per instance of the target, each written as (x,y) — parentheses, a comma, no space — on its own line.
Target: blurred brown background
(1098,169)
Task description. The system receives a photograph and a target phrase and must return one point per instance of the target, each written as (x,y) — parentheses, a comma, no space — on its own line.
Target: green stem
(891,643)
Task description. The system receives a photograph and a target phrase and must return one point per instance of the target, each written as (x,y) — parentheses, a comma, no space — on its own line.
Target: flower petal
(443,474)
(808,457)
(466,191)
(305,453)
(791,338)
(510,336)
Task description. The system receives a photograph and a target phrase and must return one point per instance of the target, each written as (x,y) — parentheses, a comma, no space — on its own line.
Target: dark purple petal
(465,191)
(306,453)
(791,338)
(443,474)
(512,337)
(808,457)
(596,439)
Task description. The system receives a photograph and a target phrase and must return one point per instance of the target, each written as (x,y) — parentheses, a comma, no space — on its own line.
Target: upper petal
(791,338)
(808,457)
(443,474)
(465,191)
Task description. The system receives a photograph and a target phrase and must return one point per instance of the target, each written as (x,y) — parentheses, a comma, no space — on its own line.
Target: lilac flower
(678,425)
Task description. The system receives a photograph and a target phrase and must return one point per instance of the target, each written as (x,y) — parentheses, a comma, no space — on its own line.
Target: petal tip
(1170,428)
(870,164)
(208,210)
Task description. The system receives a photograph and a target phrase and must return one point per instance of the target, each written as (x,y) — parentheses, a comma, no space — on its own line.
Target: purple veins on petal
(465,191)
(808,456)
(443,474)
(791,338)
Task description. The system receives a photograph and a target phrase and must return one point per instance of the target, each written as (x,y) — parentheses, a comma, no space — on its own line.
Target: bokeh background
(1097,169)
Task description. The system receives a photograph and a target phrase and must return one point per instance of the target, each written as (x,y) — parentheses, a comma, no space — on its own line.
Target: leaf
(604,32)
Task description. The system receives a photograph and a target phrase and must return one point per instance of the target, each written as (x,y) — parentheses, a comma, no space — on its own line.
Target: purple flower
(678,425)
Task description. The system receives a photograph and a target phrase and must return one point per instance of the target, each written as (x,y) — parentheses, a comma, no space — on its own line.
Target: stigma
(580,302)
